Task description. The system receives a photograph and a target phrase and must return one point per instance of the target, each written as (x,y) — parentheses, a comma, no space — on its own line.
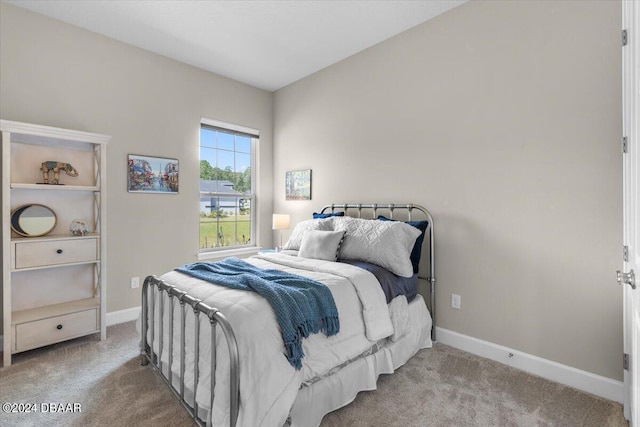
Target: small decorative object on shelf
(79,227)
(33,220)
(56,167)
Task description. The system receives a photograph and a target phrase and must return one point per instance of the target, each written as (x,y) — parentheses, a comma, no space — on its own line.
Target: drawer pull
(59,327)
(59,251)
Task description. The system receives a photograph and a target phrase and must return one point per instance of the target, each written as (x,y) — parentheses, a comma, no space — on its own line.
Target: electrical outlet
(135,282)
(455,301)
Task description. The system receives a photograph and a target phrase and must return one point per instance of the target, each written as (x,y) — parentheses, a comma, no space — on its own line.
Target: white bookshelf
(53,286)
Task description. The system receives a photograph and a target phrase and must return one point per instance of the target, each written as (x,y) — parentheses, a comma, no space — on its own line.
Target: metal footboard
(154,285)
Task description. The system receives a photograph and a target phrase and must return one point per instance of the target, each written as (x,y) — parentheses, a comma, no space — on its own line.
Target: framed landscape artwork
(148,174)
(298,185)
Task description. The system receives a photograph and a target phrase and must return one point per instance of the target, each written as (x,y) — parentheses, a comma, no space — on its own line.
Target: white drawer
(54,329)
(38,254)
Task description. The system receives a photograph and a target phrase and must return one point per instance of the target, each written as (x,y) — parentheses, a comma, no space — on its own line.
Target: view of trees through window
(226,191)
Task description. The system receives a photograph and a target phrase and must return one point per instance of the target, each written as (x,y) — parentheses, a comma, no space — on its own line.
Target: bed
(191,328)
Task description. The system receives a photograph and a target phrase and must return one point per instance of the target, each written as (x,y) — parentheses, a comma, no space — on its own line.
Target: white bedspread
(268,383)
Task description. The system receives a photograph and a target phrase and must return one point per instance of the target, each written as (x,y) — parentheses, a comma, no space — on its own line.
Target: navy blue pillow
(327,215)
(416,253)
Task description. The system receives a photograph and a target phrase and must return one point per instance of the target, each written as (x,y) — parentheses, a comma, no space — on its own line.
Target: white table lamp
(281,222)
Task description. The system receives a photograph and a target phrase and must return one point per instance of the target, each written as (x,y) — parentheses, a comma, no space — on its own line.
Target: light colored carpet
(438,387)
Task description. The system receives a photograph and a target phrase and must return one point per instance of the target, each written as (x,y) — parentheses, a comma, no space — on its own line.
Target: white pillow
(311,224)
(384,243)
(318,244)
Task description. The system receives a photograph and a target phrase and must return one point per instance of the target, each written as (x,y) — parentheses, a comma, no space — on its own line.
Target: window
(227,183)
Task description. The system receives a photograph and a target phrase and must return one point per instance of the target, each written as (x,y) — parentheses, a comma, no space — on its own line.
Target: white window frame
(254,134)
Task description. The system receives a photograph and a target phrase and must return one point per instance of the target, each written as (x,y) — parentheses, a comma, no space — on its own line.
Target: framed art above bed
(298,185)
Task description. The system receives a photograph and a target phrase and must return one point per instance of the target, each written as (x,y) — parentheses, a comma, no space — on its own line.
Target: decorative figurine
(56,167)
(79,227)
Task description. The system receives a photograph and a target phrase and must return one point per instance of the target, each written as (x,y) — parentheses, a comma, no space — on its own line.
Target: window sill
(213,255)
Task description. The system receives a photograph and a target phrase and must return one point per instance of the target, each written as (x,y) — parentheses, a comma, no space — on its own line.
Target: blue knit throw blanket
(302,306)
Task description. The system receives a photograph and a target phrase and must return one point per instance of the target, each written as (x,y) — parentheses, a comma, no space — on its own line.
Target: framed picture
(147,174)
(298,185)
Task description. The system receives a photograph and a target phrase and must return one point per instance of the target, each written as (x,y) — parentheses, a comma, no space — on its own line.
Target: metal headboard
(374,209)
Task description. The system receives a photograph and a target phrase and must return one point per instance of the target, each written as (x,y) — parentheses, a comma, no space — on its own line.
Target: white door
(631,189)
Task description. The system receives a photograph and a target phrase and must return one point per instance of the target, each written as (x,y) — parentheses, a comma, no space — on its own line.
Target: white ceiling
(267,44)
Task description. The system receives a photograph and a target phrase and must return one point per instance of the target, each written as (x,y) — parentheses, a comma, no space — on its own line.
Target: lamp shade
(281,221)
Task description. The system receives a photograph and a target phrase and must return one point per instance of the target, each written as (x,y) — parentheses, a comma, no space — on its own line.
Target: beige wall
(54,74)
(504,119)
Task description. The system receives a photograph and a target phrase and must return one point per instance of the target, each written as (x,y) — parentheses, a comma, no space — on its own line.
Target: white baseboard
(115,317)
(598,385)
(604,387)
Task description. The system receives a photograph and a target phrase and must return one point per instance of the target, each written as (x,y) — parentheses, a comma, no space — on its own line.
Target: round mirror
(33,220)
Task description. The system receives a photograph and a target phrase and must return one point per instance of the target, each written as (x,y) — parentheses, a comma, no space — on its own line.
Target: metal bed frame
(153,284)
(215,317)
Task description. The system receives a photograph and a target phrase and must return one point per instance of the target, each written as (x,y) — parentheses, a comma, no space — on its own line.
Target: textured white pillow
(311,224)
(318,244)
(384,243)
